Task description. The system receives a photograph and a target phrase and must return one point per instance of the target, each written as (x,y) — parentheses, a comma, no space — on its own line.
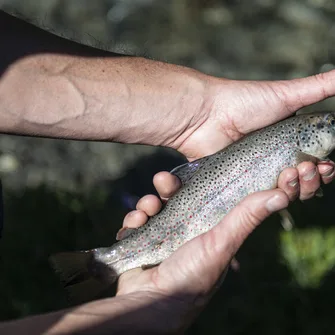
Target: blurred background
(69,195)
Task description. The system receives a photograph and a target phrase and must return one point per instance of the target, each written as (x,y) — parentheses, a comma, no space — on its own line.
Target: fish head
(316,134)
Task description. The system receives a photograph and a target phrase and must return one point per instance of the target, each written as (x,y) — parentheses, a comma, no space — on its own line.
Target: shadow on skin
(35,41)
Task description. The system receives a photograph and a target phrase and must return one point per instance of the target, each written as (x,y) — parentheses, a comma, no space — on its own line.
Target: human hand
(164,299)
(189,276)
(232,109)
(175,291)
(182,285)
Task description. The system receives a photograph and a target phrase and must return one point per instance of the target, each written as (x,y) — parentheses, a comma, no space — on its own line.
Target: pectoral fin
(124,232)
(186,171)
(319,193)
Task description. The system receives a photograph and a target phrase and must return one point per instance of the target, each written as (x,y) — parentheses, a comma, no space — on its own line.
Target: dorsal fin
(186,171)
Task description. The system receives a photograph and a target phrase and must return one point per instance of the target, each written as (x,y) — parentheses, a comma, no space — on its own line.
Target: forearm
(130,314)
(56,88)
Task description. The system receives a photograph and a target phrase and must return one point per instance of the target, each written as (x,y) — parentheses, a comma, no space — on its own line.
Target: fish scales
(215,184)
(251,164)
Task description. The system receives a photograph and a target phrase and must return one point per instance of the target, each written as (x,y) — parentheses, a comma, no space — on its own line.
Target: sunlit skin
(70,91)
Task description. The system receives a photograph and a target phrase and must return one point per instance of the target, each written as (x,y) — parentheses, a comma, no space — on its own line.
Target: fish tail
(83,277)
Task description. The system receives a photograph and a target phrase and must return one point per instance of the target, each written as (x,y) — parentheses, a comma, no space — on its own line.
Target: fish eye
(332,122)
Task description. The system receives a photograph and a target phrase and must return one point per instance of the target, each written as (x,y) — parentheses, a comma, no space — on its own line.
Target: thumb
(273,101)
(298,93)
(194,269)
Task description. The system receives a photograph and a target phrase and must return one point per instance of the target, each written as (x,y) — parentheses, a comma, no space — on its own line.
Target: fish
(211,187)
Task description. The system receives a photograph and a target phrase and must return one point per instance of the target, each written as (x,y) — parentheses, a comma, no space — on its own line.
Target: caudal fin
(83,278)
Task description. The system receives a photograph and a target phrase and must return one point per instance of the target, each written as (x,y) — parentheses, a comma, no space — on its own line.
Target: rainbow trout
(211,187)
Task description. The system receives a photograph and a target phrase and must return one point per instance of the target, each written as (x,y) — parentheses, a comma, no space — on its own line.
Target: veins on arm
(35,75)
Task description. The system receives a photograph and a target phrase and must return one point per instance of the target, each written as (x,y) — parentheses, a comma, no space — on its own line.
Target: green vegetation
(309,254)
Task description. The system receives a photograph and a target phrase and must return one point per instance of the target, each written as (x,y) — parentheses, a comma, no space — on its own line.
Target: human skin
(56,88)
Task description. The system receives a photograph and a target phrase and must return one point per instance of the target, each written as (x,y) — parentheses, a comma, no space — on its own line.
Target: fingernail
(328,173)
(309,175)
(293,182)
(275,203)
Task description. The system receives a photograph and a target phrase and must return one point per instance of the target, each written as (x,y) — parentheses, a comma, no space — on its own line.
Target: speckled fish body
(213,185)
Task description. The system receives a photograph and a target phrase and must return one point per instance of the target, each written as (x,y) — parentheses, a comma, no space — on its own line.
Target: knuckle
(249,217)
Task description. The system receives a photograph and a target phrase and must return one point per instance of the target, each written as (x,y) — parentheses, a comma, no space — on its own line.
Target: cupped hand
(183,283)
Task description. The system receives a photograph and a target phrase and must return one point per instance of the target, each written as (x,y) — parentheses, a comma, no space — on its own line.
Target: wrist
(191,110)
(149,312)
(158,313)
(165,103)
(138,313)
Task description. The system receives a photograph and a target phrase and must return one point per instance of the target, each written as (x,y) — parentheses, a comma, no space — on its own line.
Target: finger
(135,219)
(166,184)
(309,180)
(288,181)
(194,269)
(149,204)
(326,171)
